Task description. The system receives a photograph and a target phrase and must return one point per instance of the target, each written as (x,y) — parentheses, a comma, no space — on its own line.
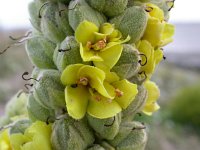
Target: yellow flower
(158,32)
(152,96)
(101,45)
(36,137)
(151,57)
(88,90)
(5,141)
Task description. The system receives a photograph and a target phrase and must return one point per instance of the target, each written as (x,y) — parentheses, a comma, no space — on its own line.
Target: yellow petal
(107,28)
(96,79)
(17,140)
(129,91)
(153,92)
(69,75)
(154,30)
(76,101)
(85,32)
(156,12)
(149,109)
(89,55)
(4,140)
(110,57)
(158,55)
(168,32)
(104,108)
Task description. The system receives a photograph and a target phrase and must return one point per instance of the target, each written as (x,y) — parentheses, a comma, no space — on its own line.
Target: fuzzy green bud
(40,51)
(80,11)
(105,128)
(128,65)
(132,22)
(70,134)
(38,112)
(108,7)
(49,91)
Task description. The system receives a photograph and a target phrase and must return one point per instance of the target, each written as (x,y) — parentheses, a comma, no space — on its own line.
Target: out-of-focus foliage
(185,107)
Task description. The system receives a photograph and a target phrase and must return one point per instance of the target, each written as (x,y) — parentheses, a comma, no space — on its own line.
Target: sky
(14,13)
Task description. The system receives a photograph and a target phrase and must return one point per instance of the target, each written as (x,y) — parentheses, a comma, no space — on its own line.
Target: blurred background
(176,126)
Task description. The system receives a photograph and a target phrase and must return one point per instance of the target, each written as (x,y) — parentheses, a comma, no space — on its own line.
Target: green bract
(131,22)
(80,11)
(97,96)
(108,7)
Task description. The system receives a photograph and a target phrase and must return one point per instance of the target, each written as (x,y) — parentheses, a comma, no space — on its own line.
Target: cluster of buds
(93,63)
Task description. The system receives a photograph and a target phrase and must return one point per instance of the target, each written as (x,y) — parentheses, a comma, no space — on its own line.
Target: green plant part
(128,65)
(137,105)
(33,13)
(110,8)
(48,91)
(61,1)
(131,136)
(132,22)
(20,126)
(105,128)
(38,112)
(49,27)
(40,51)
(67,53)
(17,105)
(80,11)
(71,134)
(96,147)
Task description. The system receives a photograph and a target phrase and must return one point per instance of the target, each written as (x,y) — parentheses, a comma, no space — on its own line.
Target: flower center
(83,81)
(99,45)
(119,93)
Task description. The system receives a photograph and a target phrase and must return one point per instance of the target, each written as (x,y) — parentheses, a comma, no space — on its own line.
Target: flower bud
(70,134)
(131,136)
(40,51)
(108,7)
(80,11)
(127,66)
(131,22)
(38,112)
(105,128)
(49,91)
(67,53)
(49,26)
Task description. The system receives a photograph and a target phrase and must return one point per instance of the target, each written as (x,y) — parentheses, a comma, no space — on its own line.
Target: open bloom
(158,31)
(152,96)
(88,90)
(152,57)
(101,45)
(5,141)
(36,137)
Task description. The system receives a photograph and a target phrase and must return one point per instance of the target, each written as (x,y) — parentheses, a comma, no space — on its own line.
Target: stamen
(83,81)
(99,45)
(119,93)
(97,97)
(89,44)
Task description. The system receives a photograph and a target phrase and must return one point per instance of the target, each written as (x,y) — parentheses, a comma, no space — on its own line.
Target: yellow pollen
(89,44)
(99,45)
(97,97)
(119,93)
(83,80)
